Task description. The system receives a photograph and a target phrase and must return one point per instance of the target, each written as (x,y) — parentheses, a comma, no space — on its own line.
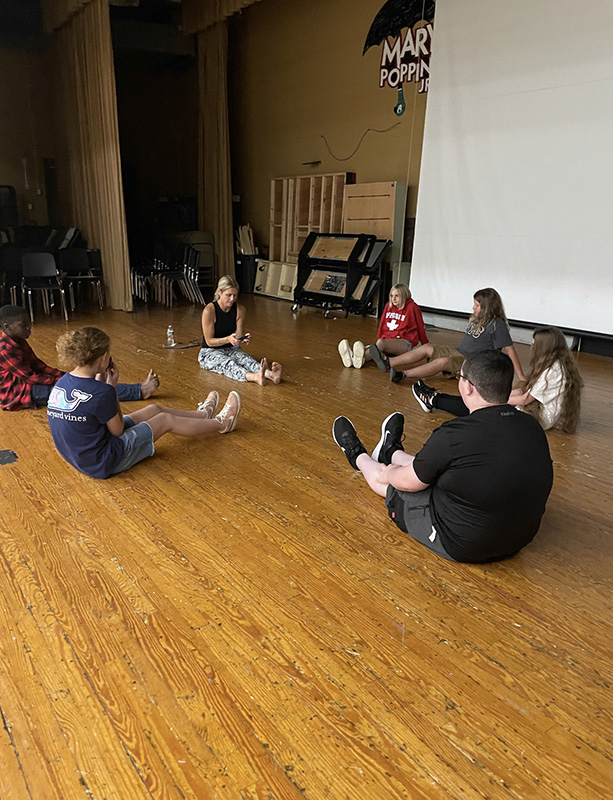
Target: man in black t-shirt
(477,489)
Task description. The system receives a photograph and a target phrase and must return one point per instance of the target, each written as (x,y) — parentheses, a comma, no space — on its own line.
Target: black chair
(40,274)
(10,271)
(76,268)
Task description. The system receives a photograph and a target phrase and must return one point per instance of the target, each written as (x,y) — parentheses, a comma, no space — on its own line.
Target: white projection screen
(516,185)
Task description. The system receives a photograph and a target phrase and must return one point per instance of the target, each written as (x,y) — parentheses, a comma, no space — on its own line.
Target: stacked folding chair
(175,266)
(139,279)
(203,243)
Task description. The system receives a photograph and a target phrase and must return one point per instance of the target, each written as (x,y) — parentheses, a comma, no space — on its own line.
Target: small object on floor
(181,346)
(380,359)
(345,436)
(359,355)
(392,429)
(345,353)
(209,406)
(424,395)
(7,457)
(170,336)
(396,375)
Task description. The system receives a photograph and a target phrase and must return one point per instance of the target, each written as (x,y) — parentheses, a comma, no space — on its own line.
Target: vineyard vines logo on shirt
(58,399)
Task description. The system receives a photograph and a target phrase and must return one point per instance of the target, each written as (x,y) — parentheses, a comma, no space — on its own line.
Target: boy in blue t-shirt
(88,428)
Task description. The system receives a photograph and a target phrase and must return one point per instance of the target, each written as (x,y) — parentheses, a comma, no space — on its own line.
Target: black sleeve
(434,457)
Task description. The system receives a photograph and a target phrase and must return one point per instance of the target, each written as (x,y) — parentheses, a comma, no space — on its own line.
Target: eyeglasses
(459,375)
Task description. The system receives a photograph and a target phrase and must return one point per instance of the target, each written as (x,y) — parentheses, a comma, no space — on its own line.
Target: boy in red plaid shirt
(26,381)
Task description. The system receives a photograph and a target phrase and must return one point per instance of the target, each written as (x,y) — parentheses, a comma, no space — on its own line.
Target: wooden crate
(267,277)
(301,204)
(276,279)
(378,208)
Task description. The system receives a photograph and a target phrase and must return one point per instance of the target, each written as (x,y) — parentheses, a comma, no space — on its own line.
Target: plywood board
(332,247)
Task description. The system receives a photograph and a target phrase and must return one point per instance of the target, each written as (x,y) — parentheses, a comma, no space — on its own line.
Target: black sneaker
(424,395)
(392,429)
(396,375)
(346,438)
(380,359)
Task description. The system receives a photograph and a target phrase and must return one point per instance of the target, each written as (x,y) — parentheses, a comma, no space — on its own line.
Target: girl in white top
(553,385)
(551,392)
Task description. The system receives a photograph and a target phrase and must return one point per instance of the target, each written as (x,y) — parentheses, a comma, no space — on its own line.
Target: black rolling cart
(339,271)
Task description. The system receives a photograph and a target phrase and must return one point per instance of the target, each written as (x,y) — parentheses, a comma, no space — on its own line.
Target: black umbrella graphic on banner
(391,19)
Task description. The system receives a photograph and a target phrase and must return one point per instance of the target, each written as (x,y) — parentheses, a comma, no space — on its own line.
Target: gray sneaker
(380,359)
(396,375)
(345,353)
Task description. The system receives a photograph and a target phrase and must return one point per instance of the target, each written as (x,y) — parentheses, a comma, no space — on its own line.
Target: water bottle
(170,336)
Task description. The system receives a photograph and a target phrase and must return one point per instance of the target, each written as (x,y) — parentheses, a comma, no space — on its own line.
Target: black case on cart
(339,271)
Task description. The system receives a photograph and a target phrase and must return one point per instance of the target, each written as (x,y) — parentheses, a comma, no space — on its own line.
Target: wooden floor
(236,617)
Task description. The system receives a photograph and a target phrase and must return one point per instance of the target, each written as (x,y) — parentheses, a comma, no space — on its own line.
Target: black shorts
(410,511)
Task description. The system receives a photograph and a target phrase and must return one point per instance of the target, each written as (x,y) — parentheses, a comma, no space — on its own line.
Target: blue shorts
(138,444)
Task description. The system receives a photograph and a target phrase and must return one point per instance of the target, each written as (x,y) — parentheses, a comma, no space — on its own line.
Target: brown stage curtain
(201,14)
(84,52)
(215,186)
(56,12)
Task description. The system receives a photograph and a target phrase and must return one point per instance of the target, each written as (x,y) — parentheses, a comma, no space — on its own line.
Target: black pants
(450,403)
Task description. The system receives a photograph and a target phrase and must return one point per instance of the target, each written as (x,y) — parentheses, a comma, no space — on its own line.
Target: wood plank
(237,617)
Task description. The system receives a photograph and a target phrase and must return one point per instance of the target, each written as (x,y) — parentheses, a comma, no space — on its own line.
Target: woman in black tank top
(222,335)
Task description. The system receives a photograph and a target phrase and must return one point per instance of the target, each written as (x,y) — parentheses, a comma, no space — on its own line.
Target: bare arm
(115,425)
(111,376)
(512,353)
(403,478)
(519,398)
(240,322)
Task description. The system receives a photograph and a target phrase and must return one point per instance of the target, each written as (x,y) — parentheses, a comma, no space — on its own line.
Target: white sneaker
(345,353)
(228,415)
(209,407)
(359,355)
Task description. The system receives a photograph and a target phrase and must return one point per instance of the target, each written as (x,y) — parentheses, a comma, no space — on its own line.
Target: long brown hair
(550,347)
(491,307)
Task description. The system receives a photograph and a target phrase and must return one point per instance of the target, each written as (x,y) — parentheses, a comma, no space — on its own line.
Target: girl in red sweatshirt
(401,328)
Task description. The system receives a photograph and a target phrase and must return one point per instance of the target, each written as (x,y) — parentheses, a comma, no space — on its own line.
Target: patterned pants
(229,361)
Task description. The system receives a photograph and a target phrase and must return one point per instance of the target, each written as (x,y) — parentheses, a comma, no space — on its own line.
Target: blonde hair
(82,347)
(225,282)
(550,347)
(404,292)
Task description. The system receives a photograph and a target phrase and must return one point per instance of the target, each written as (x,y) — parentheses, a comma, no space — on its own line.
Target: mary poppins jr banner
(405,56)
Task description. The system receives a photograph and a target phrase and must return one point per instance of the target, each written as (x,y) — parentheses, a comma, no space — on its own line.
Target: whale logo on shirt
(59,400)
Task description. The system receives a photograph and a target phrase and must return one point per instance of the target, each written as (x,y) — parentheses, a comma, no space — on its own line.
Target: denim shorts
(138,444)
